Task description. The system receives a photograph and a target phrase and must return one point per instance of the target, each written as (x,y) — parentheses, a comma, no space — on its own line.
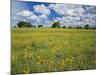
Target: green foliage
(34,26)
(86,26)
(14,26)
(23,24)
(56,25)
(39,26)
(64,27)
(69,27)
(79,27)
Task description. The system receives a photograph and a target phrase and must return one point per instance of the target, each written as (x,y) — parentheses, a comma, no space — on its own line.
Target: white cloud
(58,8)
(43,16)
(41,9)
(33,17)
(25,13)
(38,18)
(73,14)
(67,18)
(60,19)
(63,9)
(89,16)
(73,18)
(47,22)
(79,10)
(69,14)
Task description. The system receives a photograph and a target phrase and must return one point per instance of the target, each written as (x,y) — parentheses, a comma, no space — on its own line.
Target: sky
(48,13)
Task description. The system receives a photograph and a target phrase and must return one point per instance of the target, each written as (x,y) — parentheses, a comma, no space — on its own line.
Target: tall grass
(50,49)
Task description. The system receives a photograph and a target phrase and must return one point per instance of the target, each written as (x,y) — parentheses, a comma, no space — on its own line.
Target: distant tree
(29,24)
(94,28)
(64,27)
(56,25)
(79,27)
(86,26)
(34,26)
(69,27)
(15,27)
(39,26)
(23,24)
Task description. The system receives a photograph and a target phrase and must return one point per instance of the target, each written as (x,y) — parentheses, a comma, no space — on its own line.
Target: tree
(69,27)
(79,27)
(64,26)
(29,24)
(34,26)
(40,26)
(23,24)
(56,25)
(15,27)
(94,28)
(86,26)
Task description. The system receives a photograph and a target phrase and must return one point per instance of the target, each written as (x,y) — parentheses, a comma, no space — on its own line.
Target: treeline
(23,24)
(57,24)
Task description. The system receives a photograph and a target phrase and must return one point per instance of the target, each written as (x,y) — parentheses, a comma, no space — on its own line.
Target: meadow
(52,49)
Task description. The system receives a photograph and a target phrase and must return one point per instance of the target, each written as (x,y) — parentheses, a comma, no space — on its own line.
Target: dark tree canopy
(23,24)
(79,27)
(64,27)
(29,24)
(34,26)
(70,27)
(56,25)
(86,26)
(40,26)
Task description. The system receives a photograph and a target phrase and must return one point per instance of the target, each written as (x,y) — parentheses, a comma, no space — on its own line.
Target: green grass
(49,49)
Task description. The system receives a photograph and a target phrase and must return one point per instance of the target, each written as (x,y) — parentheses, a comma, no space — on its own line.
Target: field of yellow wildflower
(52,49)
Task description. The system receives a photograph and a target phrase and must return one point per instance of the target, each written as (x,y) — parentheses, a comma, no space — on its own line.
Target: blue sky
(48,13)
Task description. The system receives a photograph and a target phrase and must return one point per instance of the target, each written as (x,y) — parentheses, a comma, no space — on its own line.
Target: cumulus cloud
(43,16)
(74,14)
(90,9)
(67,19)
(41,9)
(76,18)
(38,18)
(67,14)
(58,8)
(89,16)
(33,17)
(25,13)
(64,9)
